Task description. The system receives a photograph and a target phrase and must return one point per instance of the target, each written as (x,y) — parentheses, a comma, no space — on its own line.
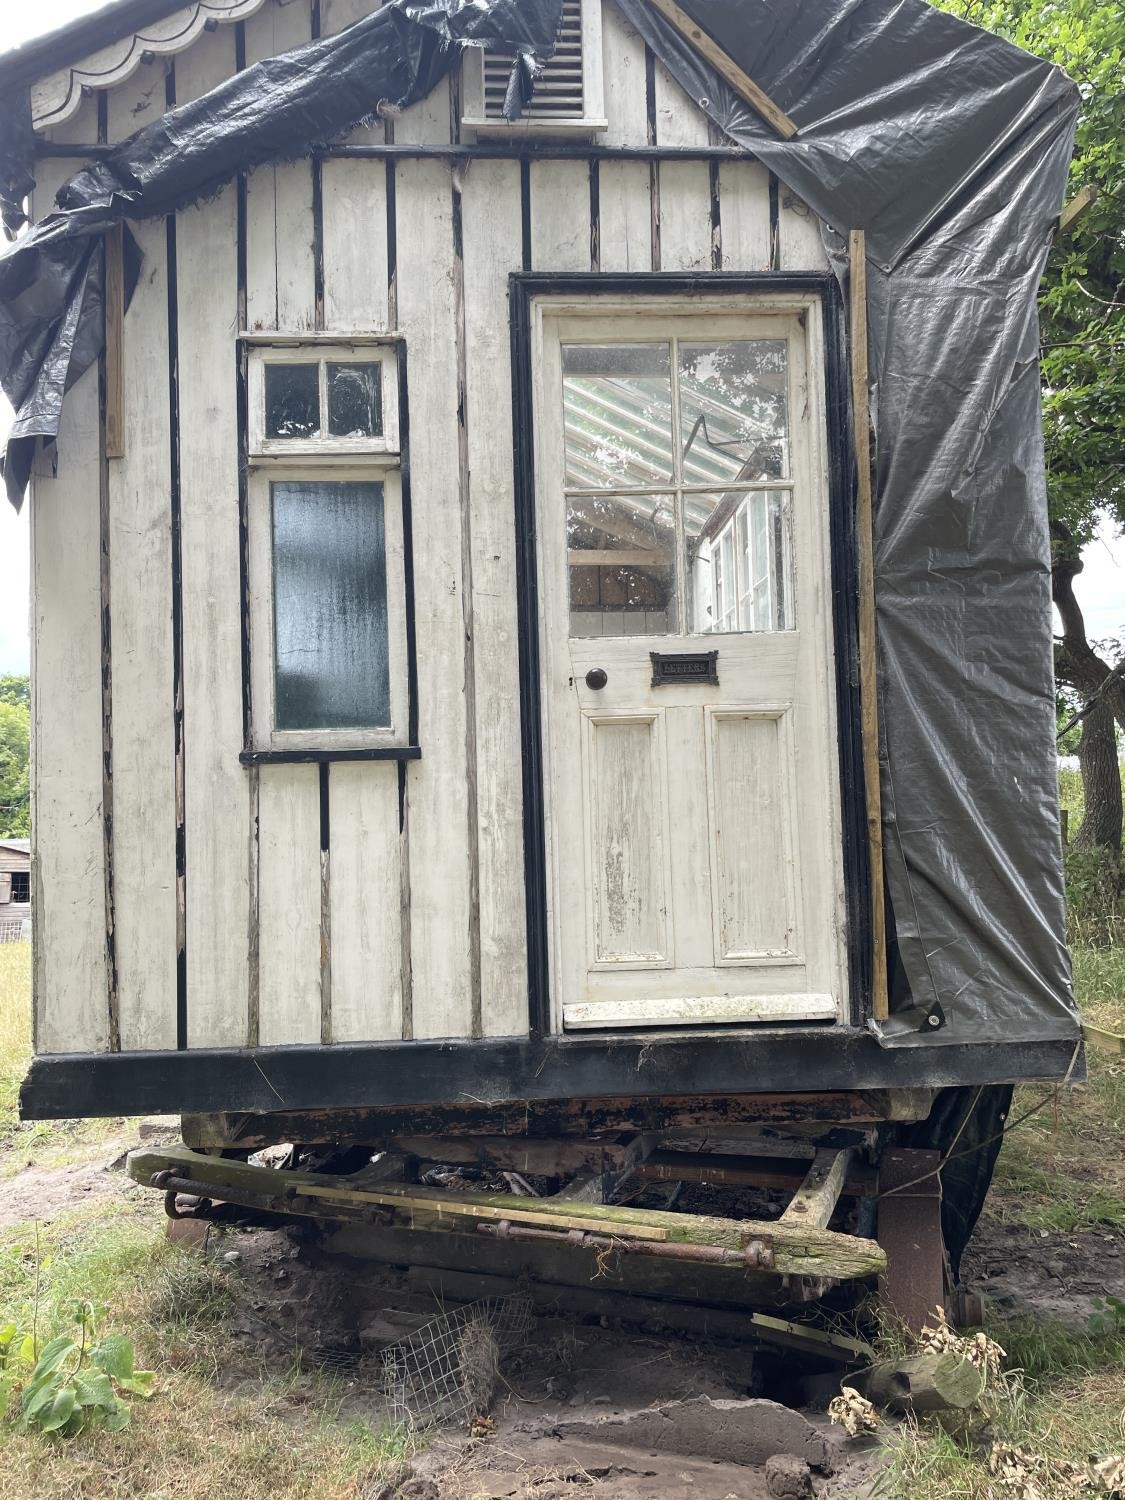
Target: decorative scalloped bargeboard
(56,98)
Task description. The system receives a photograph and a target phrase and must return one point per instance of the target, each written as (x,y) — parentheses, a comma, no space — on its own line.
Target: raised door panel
(751,852)
(627,842)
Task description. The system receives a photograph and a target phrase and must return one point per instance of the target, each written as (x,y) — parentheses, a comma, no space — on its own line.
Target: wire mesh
(445,1370)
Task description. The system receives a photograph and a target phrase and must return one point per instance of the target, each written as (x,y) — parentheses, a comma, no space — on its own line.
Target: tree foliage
(15,740)
(1082,298)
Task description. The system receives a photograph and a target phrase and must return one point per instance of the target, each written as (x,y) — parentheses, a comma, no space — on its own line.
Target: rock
(1057,1269)
(739,1432)
(232,1257)
(788,1477)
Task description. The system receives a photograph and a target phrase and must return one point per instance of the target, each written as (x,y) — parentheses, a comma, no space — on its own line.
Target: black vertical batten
(595,214)
(106,645)
(653,166)
(317,208)
(525,213)
(407,543)
(775,226)
(531,712)
(523,289)
(176,502)
(845,622)
(716,219)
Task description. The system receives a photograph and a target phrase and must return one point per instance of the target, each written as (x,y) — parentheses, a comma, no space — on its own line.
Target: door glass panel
(330,606)
(617,403)
(292,401)
(621,555)
(734,410)
(355,400)
(739,561)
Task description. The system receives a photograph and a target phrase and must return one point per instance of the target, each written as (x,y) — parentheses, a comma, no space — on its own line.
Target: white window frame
(264,734)
(316,351)
(593,116)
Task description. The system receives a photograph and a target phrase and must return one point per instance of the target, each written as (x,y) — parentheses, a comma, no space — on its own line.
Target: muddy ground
(581,1407)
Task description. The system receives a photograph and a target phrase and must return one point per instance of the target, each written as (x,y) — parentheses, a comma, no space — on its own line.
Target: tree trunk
(1079,666)
(1101,783)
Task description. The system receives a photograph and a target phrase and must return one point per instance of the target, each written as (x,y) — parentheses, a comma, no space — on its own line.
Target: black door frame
(524,288)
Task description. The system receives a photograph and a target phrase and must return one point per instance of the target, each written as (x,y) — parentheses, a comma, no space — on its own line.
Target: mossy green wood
(797,1250)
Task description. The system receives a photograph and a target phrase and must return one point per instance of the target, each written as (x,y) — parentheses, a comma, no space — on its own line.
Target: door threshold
(704,1010)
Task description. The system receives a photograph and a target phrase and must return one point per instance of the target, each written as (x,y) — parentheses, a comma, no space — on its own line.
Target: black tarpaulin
(949,147)
(51,279)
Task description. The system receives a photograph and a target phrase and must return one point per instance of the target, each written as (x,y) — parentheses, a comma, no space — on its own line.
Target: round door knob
(596,678)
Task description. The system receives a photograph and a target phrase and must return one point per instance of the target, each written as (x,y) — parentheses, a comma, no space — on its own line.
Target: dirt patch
(43,1193)
(1053,1275)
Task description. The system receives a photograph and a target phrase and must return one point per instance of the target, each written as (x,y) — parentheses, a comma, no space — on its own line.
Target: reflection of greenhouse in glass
(665,445)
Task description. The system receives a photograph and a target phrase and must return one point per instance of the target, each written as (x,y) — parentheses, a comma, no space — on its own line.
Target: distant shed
(15,886)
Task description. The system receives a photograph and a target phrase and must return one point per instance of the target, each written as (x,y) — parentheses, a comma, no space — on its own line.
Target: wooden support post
(815,1200)
(1077,206)
(743,85)
(115,342)
(868,662)
(909,1233)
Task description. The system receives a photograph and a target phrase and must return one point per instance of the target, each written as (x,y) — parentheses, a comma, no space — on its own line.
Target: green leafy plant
(77,1379)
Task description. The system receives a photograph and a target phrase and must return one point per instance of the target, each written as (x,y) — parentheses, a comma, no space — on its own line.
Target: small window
(21,887)
(323,401)
(328,637)
(568,98)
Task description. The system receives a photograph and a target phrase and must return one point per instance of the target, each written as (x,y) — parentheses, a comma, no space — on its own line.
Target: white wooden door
(692,792)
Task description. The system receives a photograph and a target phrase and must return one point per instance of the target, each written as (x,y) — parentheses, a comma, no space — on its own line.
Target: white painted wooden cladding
(417,945)
(68,851)
(140,563)
(437,785)
(365,918)
(279,222)
(289,963)
(491,227)
(217,804)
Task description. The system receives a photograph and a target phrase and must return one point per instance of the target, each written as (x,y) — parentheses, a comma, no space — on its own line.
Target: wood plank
(744,206)
(1082,200)
(491,237)
(426,123)
(740,81)
(815,1200)
(868,660)
(624,198)
(706,1165)
(217,808)
(681,1010)
(289,996)
(796,1250)
(279,287)
(355,246)
(685,186)
(71,1010)
(365,882)
(140,550)
(798,232)
(114,342)
(437,827)
(560,216)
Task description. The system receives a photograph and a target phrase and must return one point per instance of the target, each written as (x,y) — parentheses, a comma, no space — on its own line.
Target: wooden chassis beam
(432,1078)
(868,658)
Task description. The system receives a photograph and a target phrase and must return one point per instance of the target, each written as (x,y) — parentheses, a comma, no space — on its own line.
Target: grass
(1064,1168)
(223,1423)
(40,1143)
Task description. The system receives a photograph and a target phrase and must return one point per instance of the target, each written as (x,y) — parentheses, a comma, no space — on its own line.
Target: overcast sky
(1100,588)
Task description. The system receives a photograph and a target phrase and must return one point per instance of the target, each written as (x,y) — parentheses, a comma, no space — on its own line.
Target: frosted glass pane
(330,606)
(355,400)
(292,401)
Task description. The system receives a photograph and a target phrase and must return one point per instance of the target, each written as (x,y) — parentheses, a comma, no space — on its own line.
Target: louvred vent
(558,93)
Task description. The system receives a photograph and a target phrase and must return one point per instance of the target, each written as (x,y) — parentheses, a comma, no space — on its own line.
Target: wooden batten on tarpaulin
(868,660)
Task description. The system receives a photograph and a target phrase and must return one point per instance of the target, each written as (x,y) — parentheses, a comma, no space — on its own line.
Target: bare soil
(1053,1275)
